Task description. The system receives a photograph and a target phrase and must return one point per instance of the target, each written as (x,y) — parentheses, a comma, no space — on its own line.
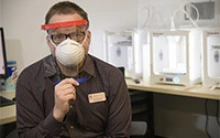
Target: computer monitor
(3,61)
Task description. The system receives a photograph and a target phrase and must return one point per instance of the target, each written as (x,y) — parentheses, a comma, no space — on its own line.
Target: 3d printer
(124,49)
(211,58)
(176,57)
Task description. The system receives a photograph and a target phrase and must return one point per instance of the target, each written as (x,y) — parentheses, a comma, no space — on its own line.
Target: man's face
(77,33)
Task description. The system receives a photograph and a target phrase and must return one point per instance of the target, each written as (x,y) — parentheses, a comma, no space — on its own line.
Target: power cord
(173,27)
(217,113)
(207,118)
(214,86)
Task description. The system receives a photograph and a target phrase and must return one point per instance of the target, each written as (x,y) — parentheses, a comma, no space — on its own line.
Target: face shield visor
(68,39)
(76,30)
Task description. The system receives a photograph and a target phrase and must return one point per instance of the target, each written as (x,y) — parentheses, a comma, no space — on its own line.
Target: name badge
(97,97)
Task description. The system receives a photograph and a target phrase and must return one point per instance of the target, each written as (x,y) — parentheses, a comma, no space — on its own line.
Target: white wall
(0,13)
(160,12)
(26,42)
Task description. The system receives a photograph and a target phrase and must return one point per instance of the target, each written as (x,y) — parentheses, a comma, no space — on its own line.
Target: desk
(7,113)
(179,111)
(194,91)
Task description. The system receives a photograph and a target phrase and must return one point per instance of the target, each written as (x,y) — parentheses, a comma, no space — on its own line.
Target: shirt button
(62,127)
(71,127)
(71,106)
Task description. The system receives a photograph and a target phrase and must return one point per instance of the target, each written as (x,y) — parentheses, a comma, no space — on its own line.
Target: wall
(26,42)
(0,13)
(158,14)
(176,116)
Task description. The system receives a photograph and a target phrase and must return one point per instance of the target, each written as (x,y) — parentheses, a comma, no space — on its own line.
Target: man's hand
(64,92)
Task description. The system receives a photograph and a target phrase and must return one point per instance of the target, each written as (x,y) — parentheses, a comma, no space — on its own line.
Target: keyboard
(5,101)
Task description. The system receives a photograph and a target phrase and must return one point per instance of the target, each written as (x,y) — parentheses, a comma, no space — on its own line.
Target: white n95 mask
(69,52)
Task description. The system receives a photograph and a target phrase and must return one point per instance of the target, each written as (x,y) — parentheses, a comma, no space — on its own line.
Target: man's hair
(65,7)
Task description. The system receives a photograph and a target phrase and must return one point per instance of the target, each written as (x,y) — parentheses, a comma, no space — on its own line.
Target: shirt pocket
(94,116)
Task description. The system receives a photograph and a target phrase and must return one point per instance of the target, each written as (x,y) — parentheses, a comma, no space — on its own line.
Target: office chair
(13,134)
(138,128)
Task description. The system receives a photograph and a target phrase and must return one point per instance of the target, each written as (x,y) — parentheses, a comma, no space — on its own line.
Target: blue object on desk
(10,83)
(11,66)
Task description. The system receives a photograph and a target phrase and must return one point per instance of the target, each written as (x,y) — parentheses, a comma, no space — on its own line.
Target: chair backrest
(138,128)
(13,134)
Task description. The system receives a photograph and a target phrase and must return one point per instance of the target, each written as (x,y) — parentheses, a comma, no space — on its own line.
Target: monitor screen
(3,61)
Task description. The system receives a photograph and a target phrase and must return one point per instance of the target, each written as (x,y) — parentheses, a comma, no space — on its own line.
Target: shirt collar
(52,69)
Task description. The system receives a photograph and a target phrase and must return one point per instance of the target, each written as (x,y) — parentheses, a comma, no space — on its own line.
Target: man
(71,93)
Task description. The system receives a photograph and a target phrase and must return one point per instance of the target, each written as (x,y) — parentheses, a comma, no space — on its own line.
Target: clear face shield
(68,39)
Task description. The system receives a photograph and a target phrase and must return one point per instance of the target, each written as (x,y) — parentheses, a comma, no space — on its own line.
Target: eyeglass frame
(69,36)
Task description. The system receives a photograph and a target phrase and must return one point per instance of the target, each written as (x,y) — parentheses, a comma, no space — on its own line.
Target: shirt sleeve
(120,107)
(31,121)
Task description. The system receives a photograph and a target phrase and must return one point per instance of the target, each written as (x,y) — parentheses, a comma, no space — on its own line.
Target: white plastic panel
(211,59)
(169,54)
(121,56)
(124,49)
(213,52)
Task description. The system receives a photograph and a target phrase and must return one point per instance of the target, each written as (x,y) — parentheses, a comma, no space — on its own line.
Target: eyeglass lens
(76,36)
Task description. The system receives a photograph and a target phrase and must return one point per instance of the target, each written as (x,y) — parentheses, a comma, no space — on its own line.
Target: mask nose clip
(67,36)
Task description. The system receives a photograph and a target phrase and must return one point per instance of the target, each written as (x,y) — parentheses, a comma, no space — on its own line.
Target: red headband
(63,24)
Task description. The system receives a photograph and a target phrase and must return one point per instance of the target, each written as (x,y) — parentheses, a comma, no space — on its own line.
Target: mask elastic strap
(53,43)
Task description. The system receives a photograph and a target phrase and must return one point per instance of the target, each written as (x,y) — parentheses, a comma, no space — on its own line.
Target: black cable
(207,118)
(217,113)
